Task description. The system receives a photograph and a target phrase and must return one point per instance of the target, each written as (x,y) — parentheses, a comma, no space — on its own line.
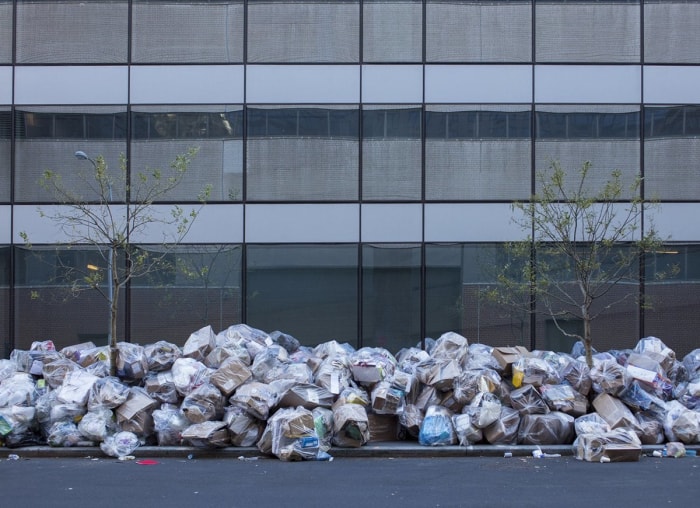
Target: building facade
(363,156)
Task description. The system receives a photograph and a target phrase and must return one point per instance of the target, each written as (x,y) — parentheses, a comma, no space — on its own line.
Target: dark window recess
(461,125)
(313,122)
(344,123)
(188,125)
(435,125)
(31,125)
(550,125)
(578,125)
(257,122)
(5,125)
(106,126)
(303,122)
(671,121)
(391,123)
(477,124)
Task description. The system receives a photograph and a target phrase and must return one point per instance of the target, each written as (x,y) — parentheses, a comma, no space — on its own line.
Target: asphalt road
(348,482)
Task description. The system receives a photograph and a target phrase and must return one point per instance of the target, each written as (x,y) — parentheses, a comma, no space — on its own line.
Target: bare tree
(88,215)
(582,241)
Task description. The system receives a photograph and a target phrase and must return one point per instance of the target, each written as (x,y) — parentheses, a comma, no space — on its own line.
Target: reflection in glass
(308,291)
(198,285)
(391,289)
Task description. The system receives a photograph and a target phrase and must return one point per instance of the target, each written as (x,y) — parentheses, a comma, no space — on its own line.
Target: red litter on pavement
(147,462)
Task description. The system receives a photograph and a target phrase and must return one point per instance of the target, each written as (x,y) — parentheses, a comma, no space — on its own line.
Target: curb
(371,450)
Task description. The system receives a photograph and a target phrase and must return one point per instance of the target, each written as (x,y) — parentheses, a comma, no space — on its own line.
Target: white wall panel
(600,84)
(71,85)
(671,85)
(290,84)
(392,84)
(478,83)
(28,219)
(5,85)
(188,84)
(392,223)
(470,223)
(677,222)
(221,223)
(316,223)
(214,224)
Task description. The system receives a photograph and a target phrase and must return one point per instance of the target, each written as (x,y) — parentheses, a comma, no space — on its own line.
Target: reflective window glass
(308,291)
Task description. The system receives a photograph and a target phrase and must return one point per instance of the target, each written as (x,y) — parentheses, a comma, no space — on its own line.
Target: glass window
(195,31)
(344,123)
(72,32)
(581,125)
(313,122)
(48,283)
(550,125)
(477,153)
(69,125)
(47,137)
(392,31)
(5,252)
(618,125)
(5,31)
(672,152)
(678,17)
(282,122)
(391,123)
(308,291)
(457,279)
(461,125)
(163,132)
(391,296)
(436,124)
(391,153)
(331,31)
(5,298)
(478,31)
(5,153)
(196,286)
(587,31)
(606,136)
(660,122)
(302,153)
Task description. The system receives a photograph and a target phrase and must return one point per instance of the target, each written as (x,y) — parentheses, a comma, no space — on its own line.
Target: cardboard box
(308,396)
(614,411)
(136,403)
(230,375)
(207,435)
(350,426)
(440,374)
(618,452)
(385,399)
(506,356)
(383,428)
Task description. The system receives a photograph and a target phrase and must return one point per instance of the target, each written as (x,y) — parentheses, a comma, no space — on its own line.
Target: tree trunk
(587,339)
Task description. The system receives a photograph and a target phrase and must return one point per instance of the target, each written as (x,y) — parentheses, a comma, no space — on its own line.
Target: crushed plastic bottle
(13,456)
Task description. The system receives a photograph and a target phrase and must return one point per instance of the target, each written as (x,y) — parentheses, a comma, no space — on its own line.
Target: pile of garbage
(243,387)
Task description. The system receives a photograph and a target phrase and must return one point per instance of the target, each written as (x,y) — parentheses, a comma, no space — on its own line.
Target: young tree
(582,241)
(88,215)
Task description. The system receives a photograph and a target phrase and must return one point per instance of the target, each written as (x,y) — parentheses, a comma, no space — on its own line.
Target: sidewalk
(396,449)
